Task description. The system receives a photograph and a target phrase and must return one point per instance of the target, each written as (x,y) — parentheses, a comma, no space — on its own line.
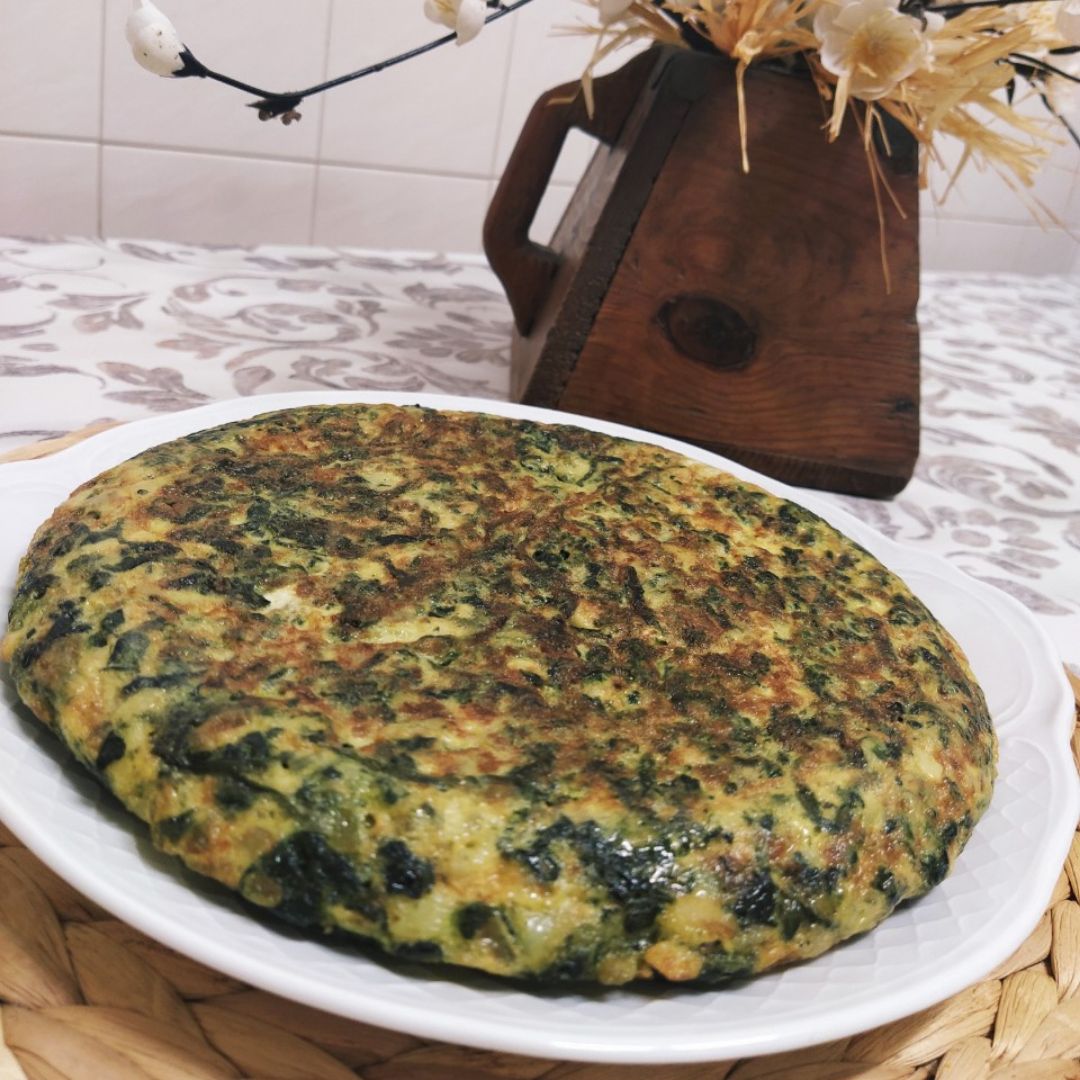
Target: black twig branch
(951,10)
(271,103)
(691,36)
(1042,66)
(1073,133)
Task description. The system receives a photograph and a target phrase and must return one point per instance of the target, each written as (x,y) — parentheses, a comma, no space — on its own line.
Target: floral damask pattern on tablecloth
(92,330)
(997,486)
(124,328)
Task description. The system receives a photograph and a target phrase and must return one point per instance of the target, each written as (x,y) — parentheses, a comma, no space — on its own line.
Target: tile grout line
(934,220)
(500,113)
(1072,218)
(315,183)
(241,155)
(101,124)
(935,215)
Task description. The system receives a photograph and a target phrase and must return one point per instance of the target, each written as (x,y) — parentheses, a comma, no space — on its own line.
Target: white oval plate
(917,957)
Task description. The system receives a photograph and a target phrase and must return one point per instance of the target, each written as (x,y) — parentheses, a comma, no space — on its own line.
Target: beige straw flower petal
(261,1050)
(968,1059)
(927,1035)
(34,965)
(1027,998)
(115,976)
(351,1042)
(1034,949)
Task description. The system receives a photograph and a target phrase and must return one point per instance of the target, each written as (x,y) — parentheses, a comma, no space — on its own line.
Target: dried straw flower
(938,68)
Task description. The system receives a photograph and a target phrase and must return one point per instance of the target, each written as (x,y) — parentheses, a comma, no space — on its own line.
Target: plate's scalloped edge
(79,463)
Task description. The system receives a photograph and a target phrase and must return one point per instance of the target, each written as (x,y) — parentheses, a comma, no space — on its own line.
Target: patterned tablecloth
(94,330)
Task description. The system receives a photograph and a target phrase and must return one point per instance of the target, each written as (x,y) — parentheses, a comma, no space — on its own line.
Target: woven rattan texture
(85,997)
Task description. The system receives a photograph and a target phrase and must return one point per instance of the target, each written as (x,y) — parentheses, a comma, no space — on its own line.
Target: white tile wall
(984,195)
(50,67)
(213,198)
(547,53)
(436,114)
(48,186)
(383,209)
(90,143)
(955,244)
(550,210)
(273,44)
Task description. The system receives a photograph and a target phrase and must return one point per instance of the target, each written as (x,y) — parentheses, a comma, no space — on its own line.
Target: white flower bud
(464,17)
(154,41)
(611,10)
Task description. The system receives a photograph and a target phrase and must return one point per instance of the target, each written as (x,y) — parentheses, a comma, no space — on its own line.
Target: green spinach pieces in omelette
(520,697)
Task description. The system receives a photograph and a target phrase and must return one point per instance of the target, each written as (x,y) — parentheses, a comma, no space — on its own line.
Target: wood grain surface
(747,313)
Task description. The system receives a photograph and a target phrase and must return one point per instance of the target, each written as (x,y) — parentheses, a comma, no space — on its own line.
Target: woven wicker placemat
(86,997)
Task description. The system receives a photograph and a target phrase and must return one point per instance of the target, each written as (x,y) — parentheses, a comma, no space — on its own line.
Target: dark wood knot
(709,331)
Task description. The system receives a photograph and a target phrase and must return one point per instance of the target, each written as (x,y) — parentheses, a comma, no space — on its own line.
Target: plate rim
(87,458)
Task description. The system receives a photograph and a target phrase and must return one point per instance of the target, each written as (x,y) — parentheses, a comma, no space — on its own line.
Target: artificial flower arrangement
(934,67)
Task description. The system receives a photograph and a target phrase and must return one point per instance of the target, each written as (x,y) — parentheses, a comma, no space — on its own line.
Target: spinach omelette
(520,697)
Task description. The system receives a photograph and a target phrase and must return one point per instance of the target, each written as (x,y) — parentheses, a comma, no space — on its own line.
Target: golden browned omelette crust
(520,697)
